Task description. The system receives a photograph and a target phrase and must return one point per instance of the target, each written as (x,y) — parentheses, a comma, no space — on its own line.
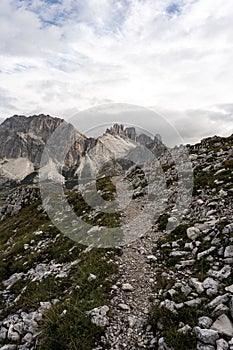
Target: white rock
(223,326)
(201,346)
(197,285)
(185,329)
(163,345)
(189,245)
(205,322)
(228,252)
(91,277)
(12,334)
(211,285)
(28,338)
(124,307)
(151,258)
(218,300)
(169,304)
(219,310)
(44,305)
(228,228)
(222,274)
(99,315)
(193,233)
(193,302)
(222,344)
(229,289)
(3,333)
(207,336)
(231,307)
(205,252)
(127,287)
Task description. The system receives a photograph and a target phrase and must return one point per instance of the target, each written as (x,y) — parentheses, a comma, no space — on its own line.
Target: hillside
(162,290)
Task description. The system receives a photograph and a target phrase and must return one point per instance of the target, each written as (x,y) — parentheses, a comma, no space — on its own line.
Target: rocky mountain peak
(131,133)
(41,125)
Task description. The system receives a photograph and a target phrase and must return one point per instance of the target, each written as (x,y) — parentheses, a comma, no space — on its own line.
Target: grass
(76,293)
(74,330)
(162,222)
(170,323)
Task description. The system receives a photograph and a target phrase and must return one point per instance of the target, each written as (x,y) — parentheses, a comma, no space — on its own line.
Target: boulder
(222,344)
(228,253)
(205,322)
(207,336)
(193,233)
(223,326)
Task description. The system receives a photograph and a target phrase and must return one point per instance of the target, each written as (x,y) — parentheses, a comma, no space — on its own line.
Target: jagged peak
(131,133)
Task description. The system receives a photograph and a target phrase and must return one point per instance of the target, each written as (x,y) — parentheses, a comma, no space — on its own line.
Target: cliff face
(23,137)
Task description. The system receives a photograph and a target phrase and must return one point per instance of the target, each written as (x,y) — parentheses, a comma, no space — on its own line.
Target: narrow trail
(130,306)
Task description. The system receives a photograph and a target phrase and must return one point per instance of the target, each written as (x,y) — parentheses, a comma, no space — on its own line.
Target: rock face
(17,200)
(26,137)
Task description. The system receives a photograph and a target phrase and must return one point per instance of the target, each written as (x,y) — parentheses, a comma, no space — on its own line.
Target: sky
(60,57)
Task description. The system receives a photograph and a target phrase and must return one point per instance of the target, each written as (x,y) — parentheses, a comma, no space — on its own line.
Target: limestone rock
(223,326)
(207,336)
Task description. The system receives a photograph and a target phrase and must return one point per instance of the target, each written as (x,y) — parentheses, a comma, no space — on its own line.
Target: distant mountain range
(23,140)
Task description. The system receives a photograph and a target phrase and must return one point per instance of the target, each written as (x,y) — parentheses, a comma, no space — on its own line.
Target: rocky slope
(165,290)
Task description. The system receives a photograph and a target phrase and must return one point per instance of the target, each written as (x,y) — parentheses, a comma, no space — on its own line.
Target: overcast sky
(63,56)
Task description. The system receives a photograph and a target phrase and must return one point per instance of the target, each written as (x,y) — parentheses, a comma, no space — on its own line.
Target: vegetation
(29,239)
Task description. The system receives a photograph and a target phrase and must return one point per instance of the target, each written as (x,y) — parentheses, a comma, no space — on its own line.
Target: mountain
(162,290)
(24,140)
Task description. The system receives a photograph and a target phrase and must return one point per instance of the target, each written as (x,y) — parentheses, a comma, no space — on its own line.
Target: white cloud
(70,55)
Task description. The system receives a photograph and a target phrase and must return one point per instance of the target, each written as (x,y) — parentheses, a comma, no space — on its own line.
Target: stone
(206,252)
(99,316)
(218,300)
(231,307)
(193,302)
(207,336)
(211,285)
(91,277)
(127,287)
(185,329)
(204,322)
(3,333)
(197,285)
(186,289)
(228,229)
(169,304)
(28,338)
(8,347)
(229,289)
(12,334)
(228,253)
(201,346)
(151,258)
(189,246)
(219,310)
(163,345)
(222,344)
(223,326)
(193,233)
(132,321)
(222,274)
(124,307)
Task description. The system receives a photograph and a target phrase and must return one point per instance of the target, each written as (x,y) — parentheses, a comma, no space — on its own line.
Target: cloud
(59,56)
